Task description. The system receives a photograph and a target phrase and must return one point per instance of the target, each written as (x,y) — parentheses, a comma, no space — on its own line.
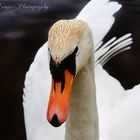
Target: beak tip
(55,121)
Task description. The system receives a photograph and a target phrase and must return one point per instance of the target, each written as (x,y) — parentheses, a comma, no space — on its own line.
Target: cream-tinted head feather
(64,36)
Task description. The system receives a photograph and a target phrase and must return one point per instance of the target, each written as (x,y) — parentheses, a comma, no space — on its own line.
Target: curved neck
(82,122)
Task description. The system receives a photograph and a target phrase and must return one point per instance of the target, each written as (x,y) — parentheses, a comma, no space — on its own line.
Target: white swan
(36,125)
(37,84)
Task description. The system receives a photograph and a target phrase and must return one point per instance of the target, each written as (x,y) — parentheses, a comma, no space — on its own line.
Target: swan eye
(76,50)
(48,50)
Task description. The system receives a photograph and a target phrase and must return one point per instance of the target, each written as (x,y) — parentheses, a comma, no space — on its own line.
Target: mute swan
(36,126)
(37,84)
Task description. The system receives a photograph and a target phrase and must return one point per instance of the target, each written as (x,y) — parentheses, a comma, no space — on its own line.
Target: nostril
(55,122)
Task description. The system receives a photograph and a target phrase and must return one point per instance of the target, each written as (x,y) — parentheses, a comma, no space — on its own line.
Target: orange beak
(59,100)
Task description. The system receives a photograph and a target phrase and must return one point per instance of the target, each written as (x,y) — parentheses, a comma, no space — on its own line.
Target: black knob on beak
(55,122)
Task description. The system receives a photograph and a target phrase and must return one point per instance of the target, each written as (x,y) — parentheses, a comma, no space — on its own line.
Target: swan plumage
(118,108)
(38,78)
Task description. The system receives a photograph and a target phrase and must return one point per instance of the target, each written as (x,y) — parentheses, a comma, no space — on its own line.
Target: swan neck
(82,121)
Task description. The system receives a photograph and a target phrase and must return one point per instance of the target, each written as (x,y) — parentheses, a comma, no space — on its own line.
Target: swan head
(70,44)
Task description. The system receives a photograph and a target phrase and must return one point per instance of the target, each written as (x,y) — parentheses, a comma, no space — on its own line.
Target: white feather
(118,108)
(111,48)
(99,16)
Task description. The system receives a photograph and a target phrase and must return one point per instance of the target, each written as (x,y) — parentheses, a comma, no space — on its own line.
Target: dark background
(22,33)
(126,66)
